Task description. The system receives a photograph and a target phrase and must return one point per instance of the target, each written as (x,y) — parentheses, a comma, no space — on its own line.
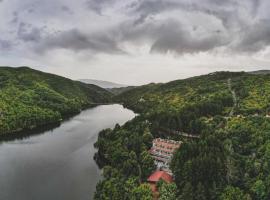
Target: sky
(135,41)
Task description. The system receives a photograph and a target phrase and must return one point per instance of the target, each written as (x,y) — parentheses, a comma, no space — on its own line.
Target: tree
(233,193)
(131,165)
(147,138)
(142,192)
(167,191)
(200,192)
(267,157)
(147,164)
(187,193)
(110,189)
(259,190)
(129,186)
(232,173)
(267,185)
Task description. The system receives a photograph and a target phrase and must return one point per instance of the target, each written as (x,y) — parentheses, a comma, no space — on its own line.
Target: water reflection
(57,164)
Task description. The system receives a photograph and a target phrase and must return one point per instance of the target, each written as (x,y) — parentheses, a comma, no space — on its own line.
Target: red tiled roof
(157,175)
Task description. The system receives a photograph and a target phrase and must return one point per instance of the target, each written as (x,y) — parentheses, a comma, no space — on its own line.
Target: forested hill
(229,159)
(208,94)
(175,95)
(30,98)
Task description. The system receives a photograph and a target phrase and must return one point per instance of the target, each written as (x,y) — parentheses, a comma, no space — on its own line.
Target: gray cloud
(140,23)
(97,5)
(154,6)
(168,36)
(226,11)
(31,10)
(255,4)
(172,38)
(77,41)
(254,38)
(144,9)
(66,9)
(244,35)
(28,33)
(15,18)
(5,44)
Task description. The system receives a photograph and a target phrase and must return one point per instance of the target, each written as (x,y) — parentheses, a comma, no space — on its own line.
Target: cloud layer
(164,25)
(90,28)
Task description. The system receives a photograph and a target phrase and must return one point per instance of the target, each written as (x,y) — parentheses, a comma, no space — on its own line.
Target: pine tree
(200,192)
(187,193)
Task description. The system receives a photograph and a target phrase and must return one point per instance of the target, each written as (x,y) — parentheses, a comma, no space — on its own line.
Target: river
(57,164)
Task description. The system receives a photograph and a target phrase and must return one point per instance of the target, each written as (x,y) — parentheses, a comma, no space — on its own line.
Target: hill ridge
(31,98)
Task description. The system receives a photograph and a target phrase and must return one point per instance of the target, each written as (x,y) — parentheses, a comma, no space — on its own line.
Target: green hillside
(207,95)
(229,157)
(30,98)
(252,92)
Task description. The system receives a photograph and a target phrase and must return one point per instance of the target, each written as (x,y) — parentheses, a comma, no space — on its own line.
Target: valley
(221,121)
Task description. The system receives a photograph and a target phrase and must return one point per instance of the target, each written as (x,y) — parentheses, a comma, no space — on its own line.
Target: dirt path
(234,97)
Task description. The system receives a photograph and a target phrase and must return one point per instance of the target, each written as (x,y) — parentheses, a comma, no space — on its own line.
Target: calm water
(57,164)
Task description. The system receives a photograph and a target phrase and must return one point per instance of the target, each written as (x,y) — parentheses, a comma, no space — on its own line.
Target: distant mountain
(117,91)
(260,72)
(31,98)
(103,84)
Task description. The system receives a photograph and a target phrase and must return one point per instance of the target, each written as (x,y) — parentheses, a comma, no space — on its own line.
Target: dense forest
(228,112)
(229,160)
(30,98)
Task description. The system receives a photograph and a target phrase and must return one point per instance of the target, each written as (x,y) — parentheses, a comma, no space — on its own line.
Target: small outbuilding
(157,176)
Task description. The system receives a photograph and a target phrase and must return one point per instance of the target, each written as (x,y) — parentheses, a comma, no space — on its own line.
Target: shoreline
(44,127)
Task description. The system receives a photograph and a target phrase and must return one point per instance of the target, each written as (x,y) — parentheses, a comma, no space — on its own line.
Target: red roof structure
(157,175)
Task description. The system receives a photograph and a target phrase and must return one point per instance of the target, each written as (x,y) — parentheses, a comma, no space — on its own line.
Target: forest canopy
(30,98)
(228,161)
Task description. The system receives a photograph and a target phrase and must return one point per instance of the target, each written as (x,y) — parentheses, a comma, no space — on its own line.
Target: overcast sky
(135,41)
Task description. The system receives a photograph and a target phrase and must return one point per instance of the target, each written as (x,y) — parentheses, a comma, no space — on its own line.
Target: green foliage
(200,193)
(116,187)
(253,93)
(111,188)
(233,193)
(147,164)
(201,163)
(125,149)
(167,191)
(187,193)
(231,158)
(147,138)
(143,192)
(235,154)
(259,189)
(30,98)
(179,104)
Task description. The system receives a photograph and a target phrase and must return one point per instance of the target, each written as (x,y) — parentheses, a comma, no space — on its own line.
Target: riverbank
(46,126)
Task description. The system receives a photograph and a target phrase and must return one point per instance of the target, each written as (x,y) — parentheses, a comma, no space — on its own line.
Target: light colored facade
(162,151)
